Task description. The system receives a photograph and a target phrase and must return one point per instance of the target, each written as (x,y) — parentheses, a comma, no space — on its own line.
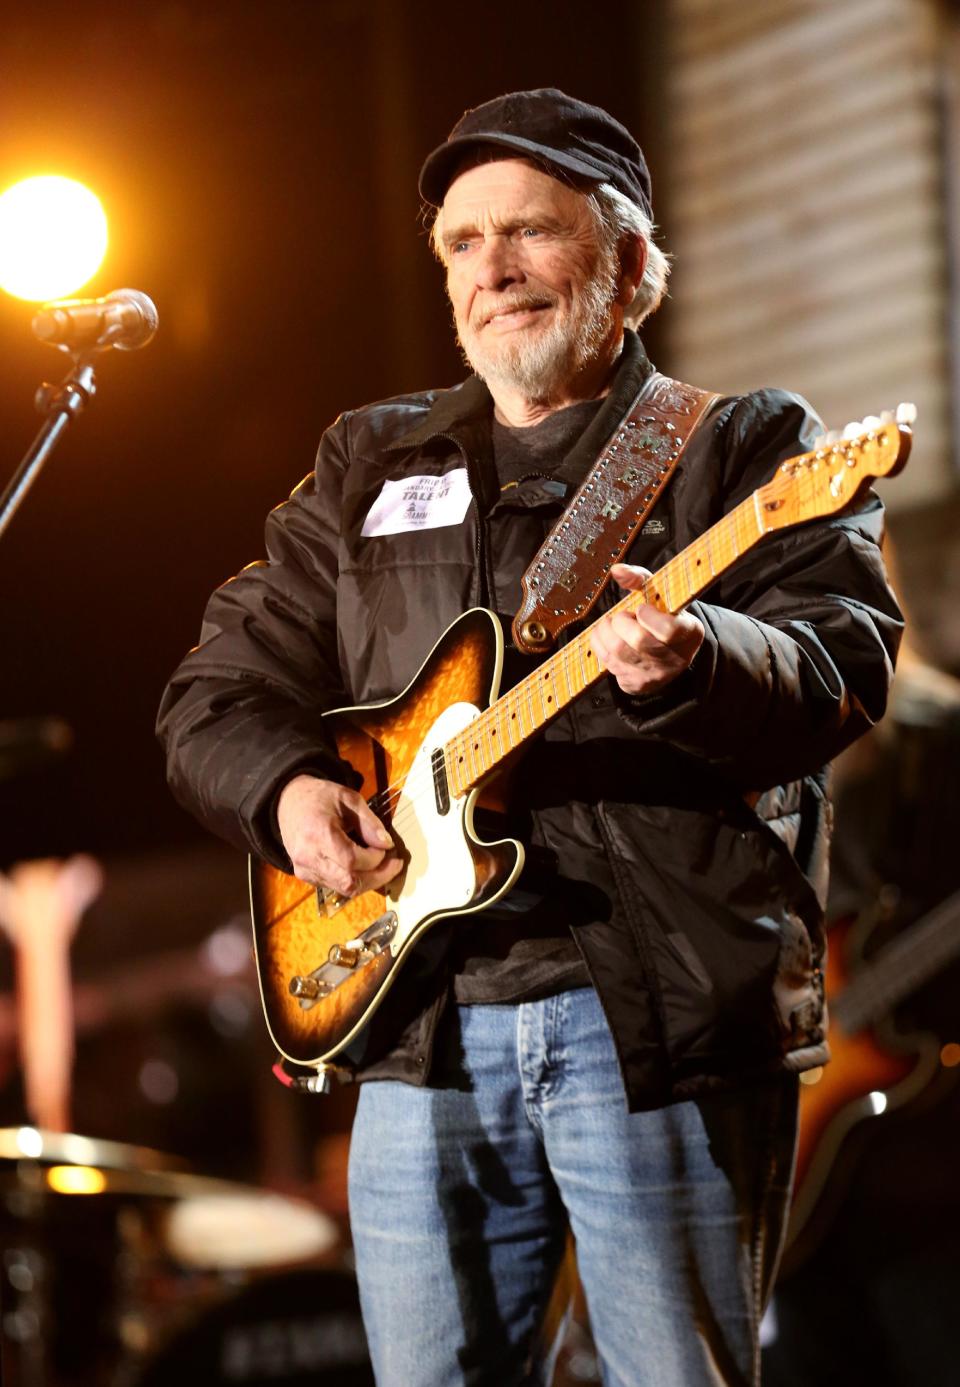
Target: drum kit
(122,1270)
(121,1266)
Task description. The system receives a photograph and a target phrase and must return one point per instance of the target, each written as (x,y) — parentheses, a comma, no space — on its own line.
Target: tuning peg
(906,413)
(872,421)
(852,429)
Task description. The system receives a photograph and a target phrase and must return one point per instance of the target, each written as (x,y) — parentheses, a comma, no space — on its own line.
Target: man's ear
(633,262)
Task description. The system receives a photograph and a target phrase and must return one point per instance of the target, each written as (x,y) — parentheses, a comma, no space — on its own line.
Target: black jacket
(689,829)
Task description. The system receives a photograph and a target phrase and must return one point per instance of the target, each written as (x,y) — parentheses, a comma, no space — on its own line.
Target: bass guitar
(325,963)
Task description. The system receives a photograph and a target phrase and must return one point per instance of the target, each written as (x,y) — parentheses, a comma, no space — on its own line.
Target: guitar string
(512,703)
(720,542)
(723,546)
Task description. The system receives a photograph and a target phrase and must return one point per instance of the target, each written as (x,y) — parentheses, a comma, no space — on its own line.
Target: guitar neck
(910,960)
(537,699)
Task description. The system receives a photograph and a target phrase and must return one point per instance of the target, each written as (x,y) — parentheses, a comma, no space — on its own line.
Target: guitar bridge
(330,901)
(310,988)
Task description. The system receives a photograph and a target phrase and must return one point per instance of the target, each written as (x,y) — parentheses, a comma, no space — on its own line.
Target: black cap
(552,128)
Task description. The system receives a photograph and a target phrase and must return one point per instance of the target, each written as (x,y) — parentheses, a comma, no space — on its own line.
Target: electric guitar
(325,963)
(865,1077)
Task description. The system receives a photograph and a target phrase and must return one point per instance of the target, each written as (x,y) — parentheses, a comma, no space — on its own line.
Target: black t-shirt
(522,949)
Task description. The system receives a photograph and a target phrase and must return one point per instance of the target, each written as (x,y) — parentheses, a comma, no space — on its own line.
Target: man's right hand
(333,838)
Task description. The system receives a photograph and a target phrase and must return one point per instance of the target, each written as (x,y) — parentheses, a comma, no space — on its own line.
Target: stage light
(53,237)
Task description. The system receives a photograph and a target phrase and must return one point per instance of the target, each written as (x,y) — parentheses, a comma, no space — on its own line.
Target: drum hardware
(114,1256)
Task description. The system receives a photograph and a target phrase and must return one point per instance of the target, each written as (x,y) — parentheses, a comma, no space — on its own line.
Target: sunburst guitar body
(326,963)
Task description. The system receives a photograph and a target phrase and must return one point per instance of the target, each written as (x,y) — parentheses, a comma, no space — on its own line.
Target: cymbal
(203,1221)
(246,1229)
(69,1148)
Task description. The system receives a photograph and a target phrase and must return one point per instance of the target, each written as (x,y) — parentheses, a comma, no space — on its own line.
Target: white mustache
(518,305)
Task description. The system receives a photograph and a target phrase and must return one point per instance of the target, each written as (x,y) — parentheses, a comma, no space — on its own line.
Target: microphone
(125,319)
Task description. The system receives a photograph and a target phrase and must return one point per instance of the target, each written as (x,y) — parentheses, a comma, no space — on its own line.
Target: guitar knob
(308,987)
(343,956)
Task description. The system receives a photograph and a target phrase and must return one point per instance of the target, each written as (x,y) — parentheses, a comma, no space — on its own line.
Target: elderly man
(613,1047)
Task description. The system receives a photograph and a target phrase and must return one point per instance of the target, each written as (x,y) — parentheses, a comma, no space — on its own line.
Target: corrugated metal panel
(806,210)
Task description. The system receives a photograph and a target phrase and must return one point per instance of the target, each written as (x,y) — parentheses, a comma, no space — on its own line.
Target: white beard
(540,364)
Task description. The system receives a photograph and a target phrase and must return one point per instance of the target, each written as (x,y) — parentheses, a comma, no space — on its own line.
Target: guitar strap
(569,571)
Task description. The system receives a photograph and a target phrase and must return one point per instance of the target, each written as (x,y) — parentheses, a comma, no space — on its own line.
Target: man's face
(532,288)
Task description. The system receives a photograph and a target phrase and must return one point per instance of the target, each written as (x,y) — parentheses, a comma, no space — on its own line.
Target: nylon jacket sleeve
(801,633)
(241,714)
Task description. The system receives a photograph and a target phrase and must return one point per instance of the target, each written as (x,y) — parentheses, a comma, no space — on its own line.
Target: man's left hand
(647,649)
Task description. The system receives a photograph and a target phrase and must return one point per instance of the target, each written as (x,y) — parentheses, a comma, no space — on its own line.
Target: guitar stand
(59,403)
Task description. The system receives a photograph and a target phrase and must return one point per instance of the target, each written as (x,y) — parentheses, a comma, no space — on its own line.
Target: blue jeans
(460,1195)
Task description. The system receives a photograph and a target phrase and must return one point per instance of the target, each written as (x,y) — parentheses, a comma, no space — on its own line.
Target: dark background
(258,164)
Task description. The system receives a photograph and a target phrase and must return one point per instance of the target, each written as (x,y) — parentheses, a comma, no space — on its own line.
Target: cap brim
(439,168)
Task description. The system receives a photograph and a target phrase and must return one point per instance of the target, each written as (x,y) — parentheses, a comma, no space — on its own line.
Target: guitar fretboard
(900,968)
(538,698)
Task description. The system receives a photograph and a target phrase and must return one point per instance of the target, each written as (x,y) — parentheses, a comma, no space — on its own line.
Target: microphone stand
(60,403)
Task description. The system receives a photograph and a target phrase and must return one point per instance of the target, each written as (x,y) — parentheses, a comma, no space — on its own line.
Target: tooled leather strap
(570,569)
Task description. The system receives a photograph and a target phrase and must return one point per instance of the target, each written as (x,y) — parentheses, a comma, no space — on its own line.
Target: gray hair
(616,217)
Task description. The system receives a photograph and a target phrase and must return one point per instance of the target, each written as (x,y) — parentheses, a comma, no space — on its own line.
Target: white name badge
(419,503)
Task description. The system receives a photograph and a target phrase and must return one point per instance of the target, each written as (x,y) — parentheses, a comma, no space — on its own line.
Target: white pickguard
(441,876)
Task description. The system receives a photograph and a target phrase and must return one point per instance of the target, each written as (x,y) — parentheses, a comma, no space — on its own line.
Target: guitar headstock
(829,478)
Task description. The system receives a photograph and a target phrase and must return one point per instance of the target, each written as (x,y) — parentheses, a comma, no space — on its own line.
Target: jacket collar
(466,403)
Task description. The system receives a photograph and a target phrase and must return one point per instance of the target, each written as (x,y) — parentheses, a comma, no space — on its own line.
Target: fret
(510,718)
(541,715)
(547,695)
(576,664)
(744,527)
(471,761)
(700,566)
(685,572)
(517,695)
(482,729)
(662,593)
(583,664)
(561,686)
(566,662)
(708,551)
(501,728)
(454,766)
(680,578)
(526,689)
(488,740)
(674,595)
(730,534)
